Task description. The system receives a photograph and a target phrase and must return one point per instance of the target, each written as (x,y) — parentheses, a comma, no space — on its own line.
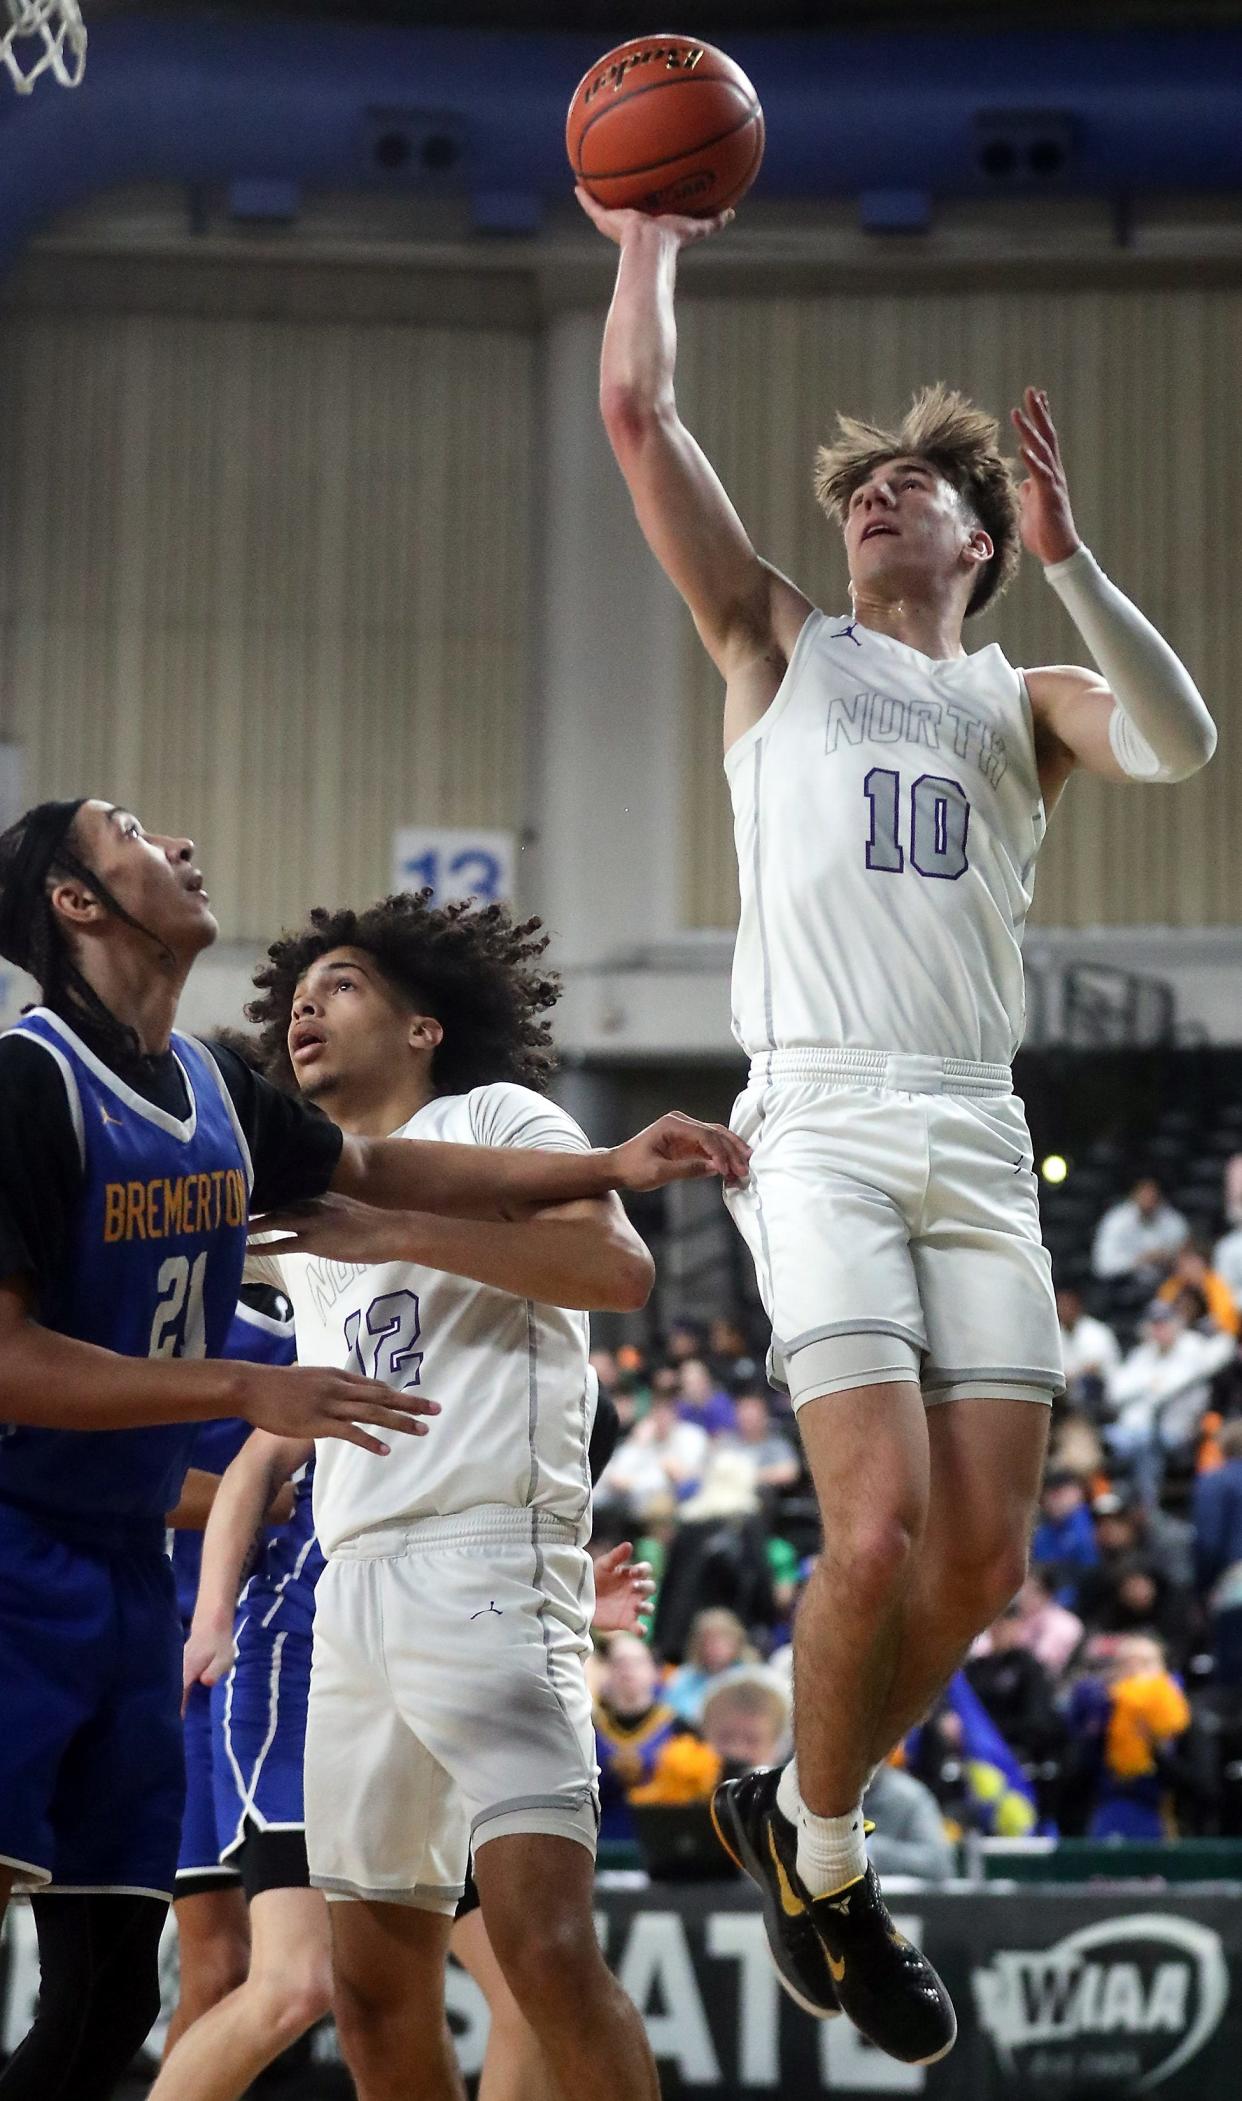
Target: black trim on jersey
(294,1147)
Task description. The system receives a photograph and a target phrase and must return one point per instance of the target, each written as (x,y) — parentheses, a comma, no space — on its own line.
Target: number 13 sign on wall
(454,864)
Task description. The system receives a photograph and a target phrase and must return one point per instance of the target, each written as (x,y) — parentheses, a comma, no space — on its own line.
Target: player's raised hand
(623,226)
(678,1149)
(312,1400)
(1045,518)
(207,1657)
(624,1589)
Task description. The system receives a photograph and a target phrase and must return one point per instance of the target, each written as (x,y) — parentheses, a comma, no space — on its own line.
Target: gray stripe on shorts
(1012,1374)
(518,1804)
(762,1223)
(856,1327)
(545,1631)
(422,1894)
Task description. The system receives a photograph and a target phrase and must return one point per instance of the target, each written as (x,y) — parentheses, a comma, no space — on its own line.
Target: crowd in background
(1105,1702)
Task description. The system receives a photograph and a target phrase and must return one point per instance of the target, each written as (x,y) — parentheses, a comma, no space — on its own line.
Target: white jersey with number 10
(887,814)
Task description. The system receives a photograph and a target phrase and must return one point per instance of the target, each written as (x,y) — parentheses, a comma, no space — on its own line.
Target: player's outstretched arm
(747,615)
(1140,716)
(243,1499)
(479,1181)
(52,1382)
(585,1256)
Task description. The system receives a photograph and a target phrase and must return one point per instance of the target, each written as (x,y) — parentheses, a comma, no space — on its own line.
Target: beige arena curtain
(267,581)
(1144,388)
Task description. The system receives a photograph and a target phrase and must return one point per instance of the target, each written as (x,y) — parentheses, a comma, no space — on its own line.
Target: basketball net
(44,36)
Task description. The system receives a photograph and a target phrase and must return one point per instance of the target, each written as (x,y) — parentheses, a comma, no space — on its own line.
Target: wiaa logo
(1121,2005)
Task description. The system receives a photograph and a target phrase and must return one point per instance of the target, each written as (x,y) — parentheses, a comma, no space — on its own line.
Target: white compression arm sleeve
(1160,728)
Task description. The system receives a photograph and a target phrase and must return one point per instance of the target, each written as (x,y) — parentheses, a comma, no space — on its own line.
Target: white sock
(788,1800)
(831,1850)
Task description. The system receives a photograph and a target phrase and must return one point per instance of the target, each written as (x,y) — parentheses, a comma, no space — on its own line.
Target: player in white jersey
(449,1711)
(890,795)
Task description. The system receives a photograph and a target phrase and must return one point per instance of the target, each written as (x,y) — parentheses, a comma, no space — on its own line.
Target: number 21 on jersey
(939,823)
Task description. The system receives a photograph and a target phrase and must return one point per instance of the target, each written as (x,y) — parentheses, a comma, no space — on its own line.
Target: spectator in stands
(1125,1526)
(745,1724)
(1160,1392)
(1191,1274)
(1218,1512)
(1138,1599)
(1227,1254)
(660,1455)
(1139,1237)
(728,1351)
(909,1836)
(718,1644)
(1016,1689)
(1090,1352)
(1128,1723)
(746,1721)
(685,1338)
(775,1460)
(1074,1444)
(1049,1631)
(1064,1540)
(704,1401)
(632,1725)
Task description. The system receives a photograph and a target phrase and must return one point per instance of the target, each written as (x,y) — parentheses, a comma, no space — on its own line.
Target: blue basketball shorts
(259,1723)
(92,1768)
(199,1859)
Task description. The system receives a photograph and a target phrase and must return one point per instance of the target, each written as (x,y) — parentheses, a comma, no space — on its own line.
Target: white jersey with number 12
(512,1377)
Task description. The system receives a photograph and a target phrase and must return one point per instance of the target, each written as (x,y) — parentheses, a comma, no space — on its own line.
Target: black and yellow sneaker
(887,1987)
(763,1843)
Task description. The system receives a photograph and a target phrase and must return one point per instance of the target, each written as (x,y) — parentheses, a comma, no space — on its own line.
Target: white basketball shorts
(448,1702)
(892,1213)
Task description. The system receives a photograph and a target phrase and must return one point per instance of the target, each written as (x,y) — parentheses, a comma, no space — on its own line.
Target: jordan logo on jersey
(106,1117)
(485,1609)
(847,634)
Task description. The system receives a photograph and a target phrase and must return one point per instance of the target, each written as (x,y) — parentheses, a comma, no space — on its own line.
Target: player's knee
(219,1969)
(550,1956)
(289,2000)
(873,1552)
(109,2022)
(983,1573)
(368,2012)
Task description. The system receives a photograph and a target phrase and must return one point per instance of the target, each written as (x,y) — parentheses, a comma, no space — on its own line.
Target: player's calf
(99,1995)
(592,2035)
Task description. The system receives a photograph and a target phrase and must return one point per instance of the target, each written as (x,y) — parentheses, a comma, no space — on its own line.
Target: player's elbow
(626,1277)
(632,415)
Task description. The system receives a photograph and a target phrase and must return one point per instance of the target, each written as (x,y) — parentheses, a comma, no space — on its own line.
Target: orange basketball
(665,124)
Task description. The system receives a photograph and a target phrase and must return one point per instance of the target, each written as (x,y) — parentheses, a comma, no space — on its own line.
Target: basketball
(665,124)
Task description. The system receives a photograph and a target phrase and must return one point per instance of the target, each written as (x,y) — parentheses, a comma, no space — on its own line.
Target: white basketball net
(44,36)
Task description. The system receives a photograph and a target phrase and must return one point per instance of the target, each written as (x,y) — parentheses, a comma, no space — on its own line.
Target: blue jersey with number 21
(154,1270)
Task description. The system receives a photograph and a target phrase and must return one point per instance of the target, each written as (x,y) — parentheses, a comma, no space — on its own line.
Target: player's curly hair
(474,968)
(961,442)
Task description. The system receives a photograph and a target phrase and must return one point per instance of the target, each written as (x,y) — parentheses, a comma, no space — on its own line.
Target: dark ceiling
(715,19)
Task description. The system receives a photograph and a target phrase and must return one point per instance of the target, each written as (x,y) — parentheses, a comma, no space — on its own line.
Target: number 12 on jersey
(939,822)
(383,1348)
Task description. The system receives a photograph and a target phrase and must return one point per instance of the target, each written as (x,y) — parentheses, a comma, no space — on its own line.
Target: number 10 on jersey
(939,823)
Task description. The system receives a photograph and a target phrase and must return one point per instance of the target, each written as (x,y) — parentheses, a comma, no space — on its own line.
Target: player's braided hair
(38,851)
(963,443)
(475,969)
